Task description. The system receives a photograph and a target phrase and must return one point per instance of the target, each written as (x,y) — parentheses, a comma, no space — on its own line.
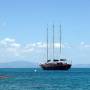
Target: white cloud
(87,46)
(8,43)
(84,45)
(57,45)
(9,48)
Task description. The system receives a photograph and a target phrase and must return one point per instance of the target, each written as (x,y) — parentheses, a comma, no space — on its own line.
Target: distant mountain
(19,64)
(81,66)
(26,64)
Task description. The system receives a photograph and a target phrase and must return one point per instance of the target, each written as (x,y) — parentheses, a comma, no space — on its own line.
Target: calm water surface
(38,79)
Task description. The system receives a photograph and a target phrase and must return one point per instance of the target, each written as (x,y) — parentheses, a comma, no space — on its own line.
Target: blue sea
(38,79)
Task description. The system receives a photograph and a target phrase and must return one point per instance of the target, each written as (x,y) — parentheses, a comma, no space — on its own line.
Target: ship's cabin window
(62,59)
(55,60)
(48,60)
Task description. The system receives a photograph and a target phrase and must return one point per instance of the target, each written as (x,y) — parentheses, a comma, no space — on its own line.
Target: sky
(23,26)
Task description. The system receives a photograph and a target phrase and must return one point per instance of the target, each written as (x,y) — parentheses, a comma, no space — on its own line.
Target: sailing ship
(55,64)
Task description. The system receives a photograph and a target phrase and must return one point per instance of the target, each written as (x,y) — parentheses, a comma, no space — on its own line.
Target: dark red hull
(55,66)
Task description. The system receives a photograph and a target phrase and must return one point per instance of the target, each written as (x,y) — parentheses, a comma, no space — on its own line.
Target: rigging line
(53,41)
(60,40)
(47,43)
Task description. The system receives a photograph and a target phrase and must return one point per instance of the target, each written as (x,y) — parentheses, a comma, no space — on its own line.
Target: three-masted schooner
(55,64)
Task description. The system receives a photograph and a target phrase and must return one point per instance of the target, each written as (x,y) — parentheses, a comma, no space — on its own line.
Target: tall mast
(60,40)
(47,43)
(53,41)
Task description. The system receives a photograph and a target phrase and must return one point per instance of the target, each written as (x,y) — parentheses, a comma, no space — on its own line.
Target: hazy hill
(25,64)
(81,66)
(19,64)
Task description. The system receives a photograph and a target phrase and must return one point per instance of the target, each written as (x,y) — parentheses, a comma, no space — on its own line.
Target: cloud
(10,48)
(57,45)
(7,42)
(11,45)
(84,45)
